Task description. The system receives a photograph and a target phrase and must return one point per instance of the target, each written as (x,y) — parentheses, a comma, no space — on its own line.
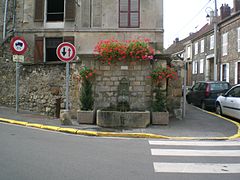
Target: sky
(182,17)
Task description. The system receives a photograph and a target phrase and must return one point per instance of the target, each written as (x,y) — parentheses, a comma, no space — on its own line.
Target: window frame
(202,46)
(238,40)
(195,67)
(211,41)
(195,48)
(129,15)
(224,44)
(201,66)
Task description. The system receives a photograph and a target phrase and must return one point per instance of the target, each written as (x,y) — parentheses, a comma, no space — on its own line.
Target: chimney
(225,11)
(236,5)
(176,40)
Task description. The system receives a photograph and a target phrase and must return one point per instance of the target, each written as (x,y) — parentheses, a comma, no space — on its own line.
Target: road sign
(18,58)
(66,52)
(18,45)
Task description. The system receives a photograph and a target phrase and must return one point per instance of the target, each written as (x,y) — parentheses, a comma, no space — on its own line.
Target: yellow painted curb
(68,130)
(87,133)
(22,123)
(34,125)
(235,136)
(6,120)
(52,128)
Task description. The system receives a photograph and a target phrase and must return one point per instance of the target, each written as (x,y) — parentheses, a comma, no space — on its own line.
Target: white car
(229,103)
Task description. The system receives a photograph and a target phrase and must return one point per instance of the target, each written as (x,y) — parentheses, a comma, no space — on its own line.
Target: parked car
(229,103)
(205,93)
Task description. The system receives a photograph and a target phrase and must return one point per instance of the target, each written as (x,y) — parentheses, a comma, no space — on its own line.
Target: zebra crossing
(219,157)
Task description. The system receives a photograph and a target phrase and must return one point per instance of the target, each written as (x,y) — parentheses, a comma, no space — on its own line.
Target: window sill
(54,25)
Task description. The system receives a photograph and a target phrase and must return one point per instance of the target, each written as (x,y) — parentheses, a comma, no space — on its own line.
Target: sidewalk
(197,123)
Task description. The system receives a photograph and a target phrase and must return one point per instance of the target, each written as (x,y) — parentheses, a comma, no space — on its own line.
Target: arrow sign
(66,52)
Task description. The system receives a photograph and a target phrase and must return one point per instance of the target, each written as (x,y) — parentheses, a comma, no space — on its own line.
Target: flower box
(85,117)
(160,118)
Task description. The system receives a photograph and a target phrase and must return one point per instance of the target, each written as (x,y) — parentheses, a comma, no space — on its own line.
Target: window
(224,44)
(54,10)
(129,13)
(238,39)
(211,42)
(195,67)
(196,48)
(237,73)
(234,92)
(224,72)
(188,52)
(202,46)
(201,66)
(50,44)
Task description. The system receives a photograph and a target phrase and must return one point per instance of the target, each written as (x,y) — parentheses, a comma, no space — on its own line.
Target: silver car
(229,103)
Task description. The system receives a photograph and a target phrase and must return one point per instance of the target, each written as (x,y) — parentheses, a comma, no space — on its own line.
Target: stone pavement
(197,123)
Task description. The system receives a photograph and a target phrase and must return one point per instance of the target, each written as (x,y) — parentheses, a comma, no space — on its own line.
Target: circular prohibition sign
(66,52)
(18,45)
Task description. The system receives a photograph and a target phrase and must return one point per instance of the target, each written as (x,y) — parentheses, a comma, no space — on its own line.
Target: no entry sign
(66,52)
(18,45)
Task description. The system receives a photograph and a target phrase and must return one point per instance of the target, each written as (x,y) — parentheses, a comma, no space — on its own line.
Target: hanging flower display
(113,51)
(86,73)
(161,73)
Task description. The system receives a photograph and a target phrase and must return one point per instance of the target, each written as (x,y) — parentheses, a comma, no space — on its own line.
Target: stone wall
(108,82)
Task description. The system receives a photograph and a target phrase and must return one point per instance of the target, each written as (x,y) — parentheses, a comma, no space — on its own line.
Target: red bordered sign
(18,45)
(66,52)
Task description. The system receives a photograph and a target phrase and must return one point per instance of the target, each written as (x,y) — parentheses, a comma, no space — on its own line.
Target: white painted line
(196,168)
(187,152)
(195,143)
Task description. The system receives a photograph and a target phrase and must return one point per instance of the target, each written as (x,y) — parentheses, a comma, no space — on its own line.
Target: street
(28,154)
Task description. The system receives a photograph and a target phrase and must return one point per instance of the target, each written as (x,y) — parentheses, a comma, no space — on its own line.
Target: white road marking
(196,168)
(189,152)
(196,143)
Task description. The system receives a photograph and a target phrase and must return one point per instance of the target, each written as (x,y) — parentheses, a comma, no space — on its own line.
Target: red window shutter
(38,50)
(70,10)
(39,10)
(69,39)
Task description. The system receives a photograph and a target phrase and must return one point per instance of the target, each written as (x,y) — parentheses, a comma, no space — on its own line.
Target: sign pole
(67,85)
(17,86)
(66,52)
(18,46)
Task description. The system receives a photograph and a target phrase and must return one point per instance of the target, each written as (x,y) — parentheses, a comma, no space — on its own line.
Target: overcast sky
(184,16)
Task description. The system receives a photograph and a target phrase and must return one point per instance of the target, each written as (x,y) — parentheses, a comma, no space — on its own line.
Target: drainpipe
(5,19)
(14,17)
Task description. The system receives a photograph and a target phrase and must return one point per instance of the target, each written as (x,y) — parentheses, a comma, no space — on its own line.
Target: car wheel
(188,100)
(203,105)
(218,109)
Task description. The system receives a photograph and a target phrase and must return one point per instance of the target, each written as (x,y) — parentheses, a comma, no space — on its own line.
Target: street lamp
(213,17)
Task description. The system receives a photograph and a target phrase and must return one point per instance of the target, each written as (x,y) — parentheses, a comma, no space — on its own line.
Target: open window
(45,48)
(54,10)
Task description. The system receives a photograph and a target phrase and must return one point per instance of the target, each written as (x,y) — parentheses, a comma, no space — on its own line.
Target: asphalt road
(34,154)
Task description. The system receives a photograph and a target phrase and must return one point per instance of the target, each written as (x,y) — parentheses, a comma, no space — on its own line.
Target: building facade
(199,49)
(46,23)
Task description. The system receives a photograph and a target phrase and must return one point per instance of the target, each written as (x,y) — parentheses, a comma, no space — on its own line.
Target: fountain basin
(129,119)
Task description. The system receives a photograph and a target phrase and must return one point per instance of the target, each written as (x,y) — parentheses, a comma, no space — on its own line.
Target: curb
(127,135)
(235,136)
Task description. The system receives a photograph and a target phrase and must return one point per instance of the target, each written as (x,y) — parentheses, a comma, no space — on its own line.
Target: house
(229,50)
(46,23)
(199,49)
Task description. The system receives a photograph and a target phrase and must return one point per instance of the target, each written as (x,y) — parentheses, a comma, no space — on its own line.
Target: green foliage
(86,95)
(159,102)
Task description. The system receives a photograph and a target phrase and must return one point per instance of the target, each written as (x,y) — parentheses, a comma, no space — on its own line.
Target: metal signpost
(66,52)
(18,46)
